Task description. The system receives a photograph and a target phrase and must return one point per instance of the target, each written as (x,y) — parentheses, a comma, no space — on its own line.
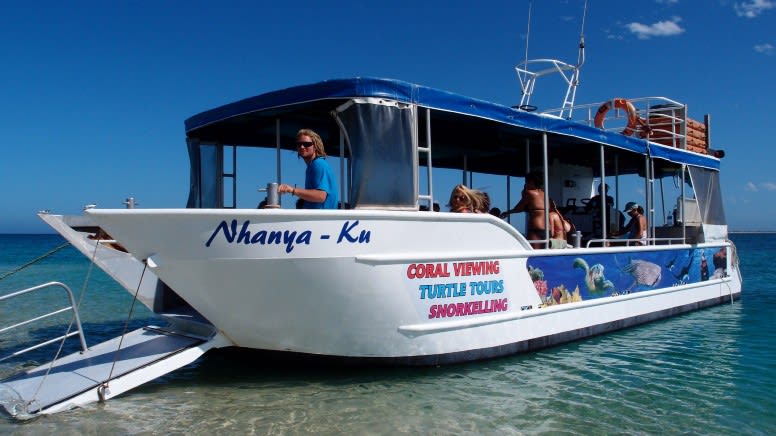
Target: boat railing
(546,243)
(658,119)
(668,241)
(72,307)
(634,242)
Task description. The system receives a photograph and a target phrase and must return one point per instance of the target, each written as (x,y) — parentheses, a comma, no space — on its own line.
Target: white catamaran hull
(404,286)
(380,279)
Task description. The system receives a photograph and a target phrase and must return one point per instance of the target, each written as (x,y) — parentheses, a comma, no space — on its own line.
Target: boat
(385,279)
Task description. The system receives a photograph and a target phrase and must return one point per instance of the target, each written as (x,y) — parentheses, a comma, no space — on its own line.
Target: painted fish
(643,272)
(594,276)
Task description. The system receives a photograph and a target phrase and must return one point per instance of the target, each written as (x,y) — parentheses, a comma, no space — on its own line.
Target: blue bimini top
(474,124)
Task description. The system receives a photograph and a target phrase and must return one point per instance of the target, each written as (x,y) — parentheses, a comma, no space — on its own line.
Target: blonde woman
(466,200)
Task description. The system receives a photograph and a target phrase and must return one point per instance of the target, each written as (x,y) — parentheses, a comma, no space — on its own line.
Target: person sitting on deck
(466,200)
(532,202)
(637,226)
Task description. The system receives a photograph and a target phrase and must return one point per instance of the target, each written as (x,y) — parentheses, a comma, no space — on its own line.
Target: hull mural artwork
(566,279)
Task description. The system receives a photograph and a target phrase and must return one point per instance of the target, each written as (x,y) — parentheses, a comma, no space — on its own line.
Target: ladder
(428,196)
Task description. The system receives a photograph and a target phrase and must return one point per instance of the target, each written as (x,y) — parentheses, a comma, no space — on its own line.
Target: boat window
(383,153)
(707,191)
(206,183)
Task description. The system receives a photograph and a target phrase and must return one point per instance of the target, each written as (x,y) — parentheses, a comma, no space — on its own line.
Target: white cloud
(610,35)
(613,36)
(668,2)
(753,8)
(661,28)
(766,48)
(763,186)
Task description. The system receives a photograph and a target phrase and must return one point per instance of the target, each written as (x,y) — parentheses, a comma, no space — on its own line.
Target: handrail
(650,241)
(72,307)
(662,119)
(643,105)
(669,240)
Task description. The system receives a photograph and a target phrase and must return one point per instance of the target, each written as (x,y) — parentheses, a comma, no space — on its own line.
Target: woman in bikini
(532,203)
(559,228)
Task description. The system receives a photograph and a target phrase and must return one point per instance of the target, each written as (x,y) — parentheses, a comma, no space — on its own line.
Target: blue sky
(94,94)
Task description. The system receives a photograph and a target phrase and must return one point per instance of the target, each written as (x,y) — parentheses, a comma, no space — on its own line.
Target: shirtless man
(532,203)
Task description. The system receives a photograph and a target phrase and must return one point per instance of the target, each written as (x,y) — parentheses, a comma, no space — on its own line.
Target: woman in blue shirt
(320,187)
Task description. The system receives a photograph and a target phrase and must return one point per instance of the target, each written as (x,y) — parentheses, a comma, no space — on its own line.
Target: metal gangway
(95,373)
(72,307)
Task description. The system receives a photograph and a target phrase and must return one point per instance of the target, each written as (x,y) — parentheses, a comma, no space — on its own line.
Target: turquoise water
(707,372)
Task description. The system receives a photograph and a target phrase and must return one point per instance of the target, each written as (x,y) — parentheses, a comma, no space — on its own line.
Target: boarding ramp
(100,372)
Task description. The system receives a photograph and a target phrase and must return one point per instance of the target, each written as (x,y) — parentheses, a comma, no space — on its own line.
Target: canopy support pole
(278,170)
(604,205)
(545,182)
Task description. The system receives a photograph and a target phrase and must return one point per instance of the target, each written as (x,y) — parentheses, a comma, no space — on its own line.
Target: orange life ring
(634,121)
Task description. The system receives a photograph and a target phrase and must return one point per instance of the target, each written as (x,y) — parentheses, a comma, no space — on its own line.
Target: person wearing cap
(637,226)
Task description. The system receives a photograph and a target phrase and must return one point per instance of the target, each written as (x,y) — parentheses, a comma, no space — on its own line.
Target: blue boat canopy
(485,132)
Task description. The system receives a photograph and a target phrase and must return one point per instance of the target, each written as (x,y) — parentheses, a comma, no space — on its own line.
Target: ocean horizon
(706,372)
